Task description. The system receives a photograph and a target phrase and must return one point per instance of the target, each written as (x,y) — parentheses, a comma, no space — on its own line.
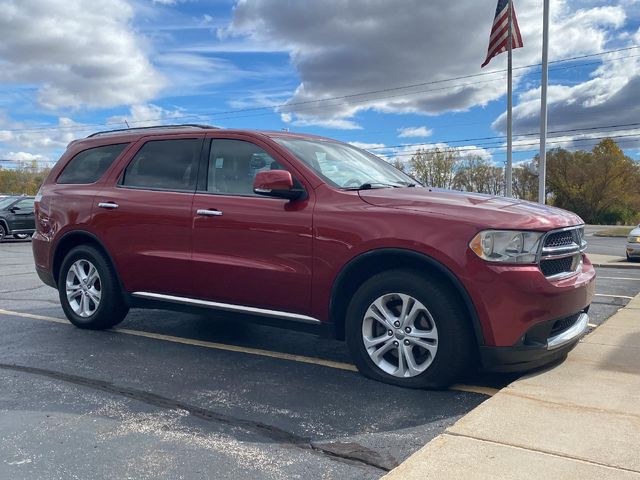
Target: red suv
(302,230)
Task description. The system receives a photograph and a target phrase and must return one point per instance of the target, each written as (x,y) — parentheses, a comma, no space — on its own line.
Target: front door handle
(108,205)
(209,212)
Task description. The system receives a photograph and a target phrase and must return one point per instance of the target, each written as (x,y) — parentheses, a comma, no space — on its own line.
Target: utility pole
(542,167)
(508,170)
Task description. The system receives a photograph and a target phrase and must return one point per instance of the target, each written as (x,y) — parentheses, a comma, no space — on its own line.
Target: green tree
(595,184)
(22,180)
(435,167)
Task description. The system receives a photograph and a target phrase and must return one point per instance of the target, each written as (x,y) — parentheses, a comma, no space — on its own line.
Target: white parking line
(620,278)
(613,296)
(235,348)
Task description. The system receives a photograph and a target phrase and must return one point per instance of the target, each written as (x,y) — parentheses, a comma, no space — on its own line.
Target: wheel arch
(73,239)
(370,263)
(5,224)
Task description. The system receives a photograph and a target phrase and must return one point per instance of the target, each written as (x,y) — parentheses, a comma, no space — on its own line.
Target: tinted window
(233,165)
(90,165)
(25,205)
(165,164)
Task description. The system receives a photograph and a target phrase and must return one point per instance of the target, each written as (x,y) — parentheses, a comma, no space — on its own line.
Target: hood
(486,211)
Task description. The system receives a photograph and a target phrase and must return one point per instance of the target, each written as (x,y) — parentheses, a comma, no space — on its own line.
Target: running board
(229,307)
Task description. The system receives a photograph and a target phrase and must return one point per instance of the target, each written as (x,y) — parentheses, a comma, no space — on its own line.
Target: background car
(17,217)
(633,245)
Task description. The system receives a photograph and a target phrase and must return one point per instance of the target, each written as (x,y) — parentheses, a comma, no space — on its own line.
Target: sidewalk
(579,420)
(611,261)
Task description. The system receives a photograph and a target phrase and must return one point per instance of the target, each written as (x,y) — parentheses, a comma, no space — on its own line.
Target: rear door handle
(108,205)
(209,212)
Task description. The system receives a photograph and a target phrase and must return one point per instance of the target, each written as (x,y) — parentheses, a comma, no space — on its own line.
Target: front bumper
(633,250)
(534,351)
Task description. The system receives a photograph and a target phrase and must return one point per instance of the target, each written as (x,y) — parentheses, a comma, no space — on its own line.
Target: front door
(250,250)
(23,217)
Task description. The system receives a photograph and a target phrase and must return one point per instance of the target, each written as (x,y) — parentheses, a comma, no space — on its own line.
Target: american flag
(500,31)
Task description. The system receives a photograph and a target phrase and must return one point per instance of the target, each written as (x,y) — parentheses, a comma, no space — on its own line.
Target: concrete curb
(611,261)
(579,420)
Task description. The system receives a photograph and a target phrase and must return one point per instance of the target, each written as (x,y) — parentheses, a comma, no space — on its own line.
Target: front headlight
(633,239)
(506,246)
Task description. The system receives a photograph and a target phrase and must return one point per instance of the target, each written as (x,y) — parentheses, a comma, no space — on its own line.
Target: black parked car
(17,217)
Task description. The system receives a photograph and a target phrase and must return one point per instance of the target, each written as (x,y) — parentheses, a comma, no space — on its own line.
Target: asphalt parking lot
(172,395)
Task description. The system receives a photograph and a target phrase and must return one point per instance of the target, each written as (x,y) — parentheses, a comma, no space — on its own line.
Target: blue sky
(71,67)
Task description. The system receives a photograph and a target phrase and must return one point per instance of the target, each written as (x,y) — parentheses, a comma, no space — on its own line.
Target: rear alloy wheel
(83,288)
(408,330)
(89,290)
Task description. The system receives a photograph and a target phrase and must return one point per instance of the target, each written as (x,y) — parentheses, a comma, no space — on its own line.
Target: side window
(165,165)
(233,165)
(88,166)
(25,205)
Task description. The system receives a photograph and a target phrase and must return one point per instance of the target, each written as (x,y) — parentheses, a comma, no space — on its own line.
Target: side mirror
(15,209)
(276,183)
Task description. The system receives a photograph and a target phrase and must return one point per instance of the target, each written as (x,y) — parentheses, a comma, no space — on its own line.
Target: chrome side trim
(227,307)
(574,332)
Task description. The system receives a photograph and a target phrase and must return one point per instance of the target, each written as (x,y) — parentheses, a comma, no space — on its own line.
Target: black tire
(111,309)
(456,346)
(3,232)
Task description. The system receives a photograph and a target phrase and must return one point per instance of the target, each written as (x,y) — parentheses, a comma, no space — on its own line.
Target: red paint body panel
(282,255)
(257,253)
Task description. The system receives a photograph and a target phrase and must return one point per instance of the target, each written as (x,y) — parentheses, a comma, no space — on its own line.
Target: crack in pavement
(350,452)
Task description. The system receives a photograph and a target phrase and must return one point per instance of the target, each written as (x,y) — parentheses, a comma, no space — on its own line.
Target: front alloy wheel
(409,329)
(400,335)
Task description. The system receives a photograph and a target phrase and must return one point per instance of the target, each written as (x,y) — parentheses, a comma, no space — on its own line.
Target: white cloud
(373,46)
(24,157)
(610,97)
(414,132)
(77,53)
(146,115)
(368,146)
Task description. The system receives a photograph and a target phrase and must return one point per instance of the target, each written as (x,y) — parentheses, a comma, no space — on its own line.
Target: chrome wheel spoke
(410,308)
(423,334)
(372,342)
(412,367)
(430,347)
(94,295)
(378,353)
(92,276)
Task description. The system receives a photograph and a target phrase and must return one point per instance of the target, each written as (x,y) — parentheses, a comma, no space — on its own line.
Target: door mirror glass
(276,183)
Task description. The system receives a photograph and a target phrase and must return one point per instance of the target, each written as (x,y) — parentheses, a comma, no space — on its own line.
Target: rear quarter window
(89,165)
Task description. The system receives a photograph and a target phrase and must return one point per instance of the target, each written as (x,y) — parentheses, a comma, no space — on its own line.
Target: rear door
(250,250)
(143,214)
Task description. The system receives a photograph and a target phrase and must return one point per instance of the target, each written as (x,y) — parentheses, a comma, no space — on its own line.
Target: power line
(462,148)
(353,95)
(572,130)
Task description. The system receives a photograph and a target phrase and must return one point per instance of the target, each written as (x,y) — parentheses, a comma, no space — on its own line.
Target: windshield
(344,166)
(5,202)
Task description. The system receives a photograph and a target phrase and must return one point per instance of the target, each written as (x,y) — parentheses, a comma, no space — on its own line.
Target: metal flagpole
(542,168)
(508,171)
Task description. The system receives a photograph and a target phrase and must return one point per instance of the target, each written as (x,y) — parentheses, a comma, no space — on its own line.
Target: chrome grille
(561,254)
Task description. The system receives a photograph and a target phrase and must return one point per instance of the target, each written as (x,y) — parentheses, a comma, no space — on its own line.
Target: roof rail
(155,127)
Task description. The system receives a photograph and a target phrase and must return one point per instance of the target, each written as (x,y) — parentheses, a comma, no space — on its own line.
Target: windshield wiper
(372,185)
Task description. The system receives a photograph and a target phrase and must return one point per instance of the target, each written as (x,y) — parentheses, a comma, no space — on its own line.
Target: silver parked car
(633,245)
